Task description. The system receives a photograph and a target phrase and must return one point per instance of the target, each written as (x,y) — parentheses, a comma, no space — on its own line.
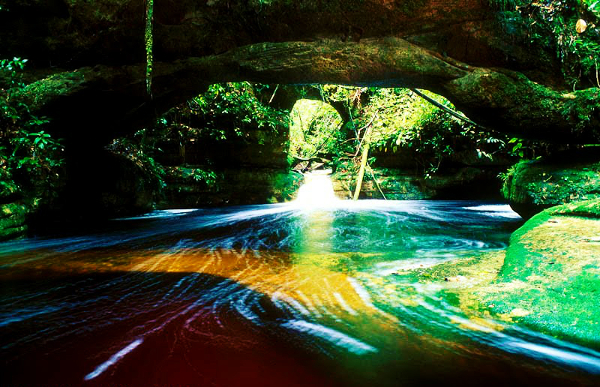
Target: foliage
(149,42)
(506,178)
(139,149)
(198,175)
(403,120)
(27,153)
(523,149)
(230,110)
(225,112)
(314,129)
(392,121)
(570,27)
(352,98)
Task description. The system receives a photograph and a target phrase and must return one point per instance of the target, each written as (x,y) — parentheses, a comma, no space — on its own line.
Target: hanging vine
(149,43)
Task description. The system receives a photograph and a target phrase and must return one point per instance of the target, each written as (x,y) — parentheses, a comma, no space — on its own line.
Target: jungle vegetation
(390,119)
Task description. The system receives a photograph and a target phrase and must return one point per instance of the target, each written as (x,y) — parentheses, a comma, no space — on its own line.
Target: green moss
(41,92)
(548,280)
(586,208)
(567,310)
(12,209)
(521,259)
(581,106)
(552,273)
(13,221)
(149,40)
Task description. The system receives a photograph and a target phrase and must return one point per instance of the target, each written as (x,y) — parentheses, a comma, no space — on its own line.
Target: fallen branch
(445,108)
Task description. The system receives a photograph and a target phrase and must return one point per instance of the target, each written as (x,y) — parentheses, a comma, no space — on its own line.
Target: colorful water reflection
(274,295)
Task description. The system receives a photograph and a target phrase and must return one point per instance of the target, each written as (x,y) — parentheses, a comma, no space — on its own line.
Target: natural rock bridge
(456,48)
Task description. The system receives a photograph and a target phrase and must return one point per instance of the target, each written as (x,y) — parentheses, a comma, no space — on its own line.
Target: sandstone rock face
(243,168)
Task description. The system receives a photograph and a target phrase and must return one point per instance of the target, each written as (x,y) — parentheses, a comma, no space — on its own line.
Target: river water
(268,295)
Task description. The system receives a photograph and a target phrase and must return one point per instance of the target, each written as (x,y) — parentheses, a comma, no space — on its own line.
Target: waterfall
(317,190)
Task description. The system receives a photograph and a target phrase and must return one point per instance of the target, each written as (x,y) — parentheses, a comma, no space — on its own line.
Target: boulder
(532,186)
(550,279)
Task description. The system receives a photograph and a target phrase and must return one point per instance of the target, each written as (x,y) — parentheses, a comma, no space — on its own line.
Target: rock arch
(87,59)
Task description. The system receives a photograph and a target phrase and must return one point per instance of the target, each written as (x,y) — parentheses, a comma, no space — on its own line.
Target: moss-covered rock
(532,186)
(551,273)
(13,217)
(547,280)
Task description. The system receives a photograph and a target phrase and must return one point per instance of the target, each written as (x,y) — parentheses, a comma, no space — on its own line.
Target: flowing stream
(312,293)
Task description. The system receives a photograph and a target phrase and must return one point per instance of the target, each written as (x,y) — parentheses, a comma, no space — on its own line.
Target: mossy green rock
(533,186)
(550,279)
(13,209)
(12,220)
(547,280)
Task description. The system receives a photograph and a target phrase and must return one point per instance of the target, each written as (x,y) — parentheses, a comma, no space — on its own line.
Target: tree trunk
(363,162)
